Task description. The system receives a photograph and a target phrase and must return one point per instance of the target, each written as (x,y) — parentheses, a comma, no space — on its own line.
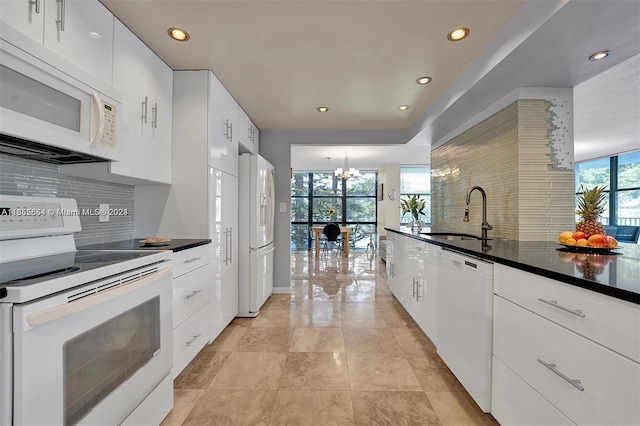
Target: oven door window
(99,360)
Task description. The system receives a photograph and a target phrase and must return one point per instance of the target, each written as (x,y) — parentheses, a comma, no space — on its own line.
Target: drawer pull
(191,342)
(192,260)
(553,303)
(574,382)
(193,293)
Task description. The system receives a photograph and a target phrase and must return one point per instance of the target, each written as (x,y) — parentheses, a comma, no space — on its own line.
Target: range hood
(40,152)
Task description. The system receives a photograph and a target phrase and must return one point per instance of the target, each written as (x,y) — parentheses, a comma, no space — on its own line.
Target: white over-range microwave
(48,115)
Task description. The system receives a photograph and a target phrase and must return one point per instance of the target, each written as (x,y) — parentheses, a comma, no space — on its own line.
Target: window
(416,180)
(621,176)
(354,202)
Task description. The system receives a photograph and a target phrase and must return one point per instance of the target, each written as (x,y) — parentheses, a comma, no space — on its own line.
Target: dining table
(344,230)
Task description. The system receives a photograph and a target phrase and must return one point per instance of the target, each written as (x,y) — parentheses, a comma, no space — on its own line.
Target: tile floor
(338,350)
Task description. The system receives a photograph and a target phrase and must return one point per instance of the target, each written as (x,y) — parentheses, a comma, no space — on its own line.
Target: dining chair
(332,233)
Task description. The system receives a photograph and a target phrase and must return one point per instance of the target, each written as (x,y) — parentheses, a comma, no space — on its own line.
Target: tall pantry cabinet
(202,201)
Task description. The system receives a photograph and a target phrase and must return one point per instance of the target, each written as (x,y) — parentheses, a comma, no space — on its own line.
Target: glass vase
(416,227)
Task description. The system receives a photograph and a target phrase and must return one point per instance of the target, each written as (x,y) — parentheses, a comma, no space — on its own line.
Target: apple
(612,242)
(597,240)
(579,235)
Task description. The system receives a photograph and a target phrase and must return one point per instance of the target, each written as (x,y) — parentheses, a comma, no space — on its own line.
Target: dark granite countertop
(616,275)
(137,244)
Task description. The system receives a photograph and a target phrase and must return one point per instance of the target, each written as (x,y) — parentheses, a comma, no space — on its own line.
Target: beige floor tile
(240,322)
(317,339)
(362,315)
(277,301)
(413,340)
(315,371)
(183,402)
(265,339)
(199,373)
(399,319)
(232,407)
(380,371)
(276,317)
(457,409)
(370,340)
(312,408)
(321,314)
(432,373)
(250,370)
(393,408)
(227,339)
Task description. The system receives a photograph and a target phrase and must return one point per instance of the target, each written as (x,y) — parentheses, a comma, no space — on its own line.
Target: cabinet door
(230,269)
(25,17)
(131,76)
(243,135)
(159,149)
(223,125)
(223,201)
(256,139)
(83,35)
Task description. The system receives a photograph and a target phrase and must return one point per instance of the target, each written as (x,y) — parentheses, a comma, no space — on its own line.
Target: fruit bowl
(587,249)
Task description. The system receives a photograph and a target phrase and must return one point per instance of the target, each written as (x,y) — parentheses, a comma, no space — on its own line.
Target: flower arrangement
(413,204)
(332,214)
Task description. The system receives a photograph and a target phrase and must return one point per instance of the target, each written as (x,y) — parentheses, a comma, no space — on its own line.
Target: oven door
(94,359)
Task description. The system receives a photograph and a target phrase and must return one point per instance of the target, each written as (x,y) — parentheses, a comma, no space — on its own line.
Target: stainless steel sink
(453,236)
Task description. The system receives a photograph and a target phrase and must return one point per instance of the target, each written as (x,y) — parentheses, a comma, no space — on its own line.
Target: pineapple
(590,207)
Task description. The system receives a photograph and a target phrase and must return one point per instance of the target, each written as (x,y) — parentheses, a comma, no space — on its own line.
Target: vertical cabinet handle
(418,287)
(144,111)
(415,287)
(154,115)
(230,245)
(61,13)
(574,382)
(35,3)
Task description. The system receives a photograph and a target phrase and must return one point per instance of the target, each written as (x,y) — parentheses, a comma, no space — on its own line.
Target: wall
(275,146)
(389,210)
(513,155)
(37,179)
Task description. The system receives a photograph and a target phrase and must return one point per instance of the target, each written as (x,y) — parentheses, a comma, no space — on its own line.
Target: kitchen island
(616,275)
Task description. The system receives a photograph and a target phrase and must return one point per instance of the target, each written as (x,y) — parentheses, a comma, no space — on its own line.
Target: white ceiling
(282,59)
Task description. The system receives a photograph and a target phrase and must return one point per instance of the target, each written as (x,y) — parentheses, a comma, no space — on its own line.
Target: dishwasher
(464,321)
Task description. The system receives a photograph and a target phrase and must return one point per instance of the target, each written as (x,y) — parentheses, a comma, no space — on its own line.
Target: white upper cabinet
(146,83)
(247,134)
(223,127)
(25,16)
(80,31)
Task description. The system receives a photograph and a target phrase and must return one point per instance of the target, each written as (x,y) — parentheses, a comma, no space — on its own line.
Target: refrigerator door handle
(230,245)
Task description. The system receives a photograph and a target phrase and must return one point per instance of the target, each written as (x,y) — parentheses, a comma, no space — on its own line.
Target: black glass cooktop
(31,271)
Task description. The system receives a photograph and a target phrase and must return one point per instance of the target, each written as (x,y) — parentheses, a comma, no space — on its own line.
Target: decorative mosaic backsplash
(530,196)
(34,178)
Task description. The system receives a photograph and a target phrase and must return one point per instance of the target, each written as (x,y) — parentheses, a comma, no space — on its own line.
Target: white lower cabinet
(191,287)
(587,382)
(419,292)
(394,264)
(514,402)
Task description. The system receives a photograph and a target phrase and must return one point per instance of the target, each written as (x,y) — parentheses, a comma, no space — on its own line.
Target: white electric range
(86,336)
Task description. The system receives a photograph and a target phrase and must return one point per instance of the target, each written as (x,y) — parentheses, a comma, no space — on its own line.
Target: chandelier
(345,172)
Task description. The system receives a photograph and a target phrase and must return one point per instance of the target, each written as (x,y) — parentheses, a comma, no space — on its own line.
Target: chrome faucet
(485,226)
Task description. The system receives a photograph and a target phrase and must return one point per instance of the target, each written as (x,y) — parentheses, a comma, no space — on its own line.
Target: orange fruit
(562,237)
(582,242)
(570,241)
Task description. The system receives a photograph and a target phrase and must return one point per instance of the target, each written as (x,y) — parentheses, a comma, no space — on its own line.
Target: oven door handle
(39,318)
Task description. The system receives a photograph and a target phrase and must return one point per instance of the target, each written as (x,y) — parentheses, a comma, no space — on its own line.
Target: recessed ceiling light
(599,55)
(403,107)
(458,34)
(423,80)
(323,109)
(178,34)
